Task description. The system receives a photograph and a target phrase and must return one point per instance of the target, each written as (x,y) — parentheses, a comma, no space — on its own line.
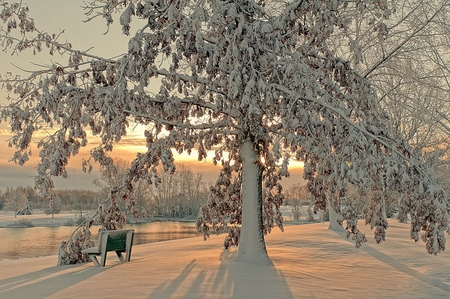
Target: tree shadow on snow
(242,280)
(169,288)
(405,269)
(229,280)
(54,279)
(394,263)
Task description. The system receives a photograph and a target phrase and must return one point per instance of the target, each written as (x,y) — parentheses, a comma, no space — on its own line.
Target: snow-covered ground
(310,262)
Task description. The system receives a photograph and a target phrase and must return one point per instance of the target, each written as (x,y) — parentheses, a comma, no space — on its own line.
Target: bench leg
(94,259)
(120,256)
(103,258)
(128,254)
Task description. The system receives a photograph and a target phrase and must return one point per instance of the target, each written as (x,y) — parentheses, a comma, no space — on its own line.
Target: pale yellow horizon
(12,175)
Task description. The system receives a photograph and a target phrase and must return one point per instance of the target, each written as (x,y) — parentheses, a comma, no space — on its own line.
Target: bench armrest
(91,250)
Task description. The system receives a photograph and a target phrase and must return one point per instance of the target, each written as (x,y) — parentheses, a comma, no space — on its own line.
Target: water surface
(40,241)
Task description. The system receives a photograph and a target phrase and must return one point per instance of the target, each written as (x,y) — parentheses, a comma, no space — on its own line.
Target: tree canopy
(258,83)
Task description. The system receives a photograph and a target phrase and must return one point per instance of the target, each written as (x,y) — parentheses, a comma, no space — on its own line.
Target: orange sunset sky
(54,16)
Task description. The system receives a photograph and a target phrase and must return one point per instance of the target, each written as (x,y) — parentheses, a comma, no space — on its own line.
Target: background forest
(179,195)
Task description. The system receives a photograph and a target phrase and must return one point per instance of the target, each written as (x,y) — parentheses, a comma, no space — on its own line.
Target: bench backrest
(115,239)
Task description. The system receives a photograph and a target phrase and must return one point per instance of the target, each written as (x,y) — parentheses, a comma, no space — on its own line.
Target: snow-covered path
(310,262)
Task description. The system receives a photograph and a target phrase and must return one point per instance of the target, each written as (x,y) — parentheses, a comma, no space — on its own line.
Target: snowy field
(310,262)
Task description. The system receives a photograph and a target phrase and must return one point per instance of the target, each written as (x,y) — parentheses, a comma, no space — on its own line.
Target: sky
(55,16)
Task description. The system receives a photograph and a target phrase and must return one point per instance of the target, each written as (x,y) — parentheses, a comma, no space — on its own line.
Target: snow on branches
(232,74)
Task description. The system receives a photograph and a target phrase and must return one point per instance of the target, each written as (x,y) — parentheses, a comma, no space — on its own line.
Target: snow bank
(310,262)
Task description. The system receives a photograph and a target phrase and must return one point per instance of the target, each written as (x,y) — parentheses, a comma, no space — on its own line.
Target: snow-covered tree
(256,82)
(15,200)
(54,207)
(180,194)
(407,64)
(2,199)
(296,196)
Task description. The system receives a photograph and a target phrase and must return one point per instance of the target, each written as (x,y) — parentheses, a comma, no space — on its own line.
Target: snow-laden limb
(70,251)
(251,81)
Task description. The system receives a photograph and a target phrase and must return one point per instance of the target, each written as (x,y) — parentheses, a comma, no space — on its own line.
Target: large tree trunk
(334,218)
(252,247)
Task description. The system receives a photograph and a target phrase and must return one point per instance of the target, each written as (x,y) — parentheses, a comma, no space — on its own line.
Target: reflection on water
(39,241)
(162,231)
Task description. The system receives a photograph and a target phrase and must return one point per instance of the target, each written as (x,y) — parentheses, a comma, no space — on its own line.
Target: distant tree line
(177,195)
(173,195)
(297,195)
(19,198)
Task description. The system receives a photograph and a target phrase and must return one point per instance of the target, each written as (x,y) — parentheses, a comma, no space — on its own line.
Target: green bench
(119,241)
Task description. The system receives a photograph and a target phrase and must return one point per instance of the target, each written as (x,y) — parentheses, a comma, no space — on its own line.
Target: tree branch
(387,57)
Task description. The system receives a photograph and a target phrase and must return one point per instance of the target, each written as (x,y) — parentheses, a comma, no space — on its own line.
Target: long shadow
(244,280)
(195,290)
(255,281)
(388,260)
(405,269)
(11,282)
(229,280)
(45,282)
(167,289)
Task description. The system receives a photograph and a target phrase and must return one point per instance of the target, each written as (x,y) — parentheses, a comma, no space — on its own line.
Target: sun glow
(127,148)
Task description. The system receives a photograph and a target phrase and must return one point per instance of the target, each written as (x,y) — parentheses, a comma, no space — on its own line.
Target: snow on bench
(112,240)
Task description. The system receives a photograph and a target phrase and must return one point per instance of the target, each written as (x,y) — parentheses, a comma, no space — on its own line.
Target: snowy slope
(310,262)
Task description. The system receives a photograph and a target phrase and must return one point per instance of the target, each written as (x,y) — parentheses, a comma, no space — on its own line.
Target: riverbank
(310,261)
(40,219)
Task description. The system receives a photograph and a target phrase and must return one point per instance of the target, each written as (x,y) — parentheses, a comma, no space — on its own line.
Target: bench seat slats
(92,250)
